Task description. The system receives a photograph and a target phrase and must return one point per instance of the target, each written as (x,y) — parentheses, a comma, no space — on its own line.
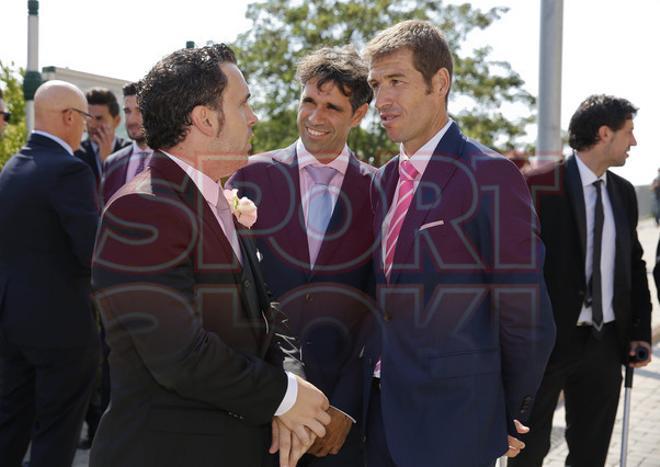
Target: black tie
(596,280)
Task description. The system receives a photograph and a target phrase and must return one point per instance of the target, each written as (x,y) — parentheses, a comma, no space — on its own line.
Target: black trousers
(591,383)
(43,397)
(100,398)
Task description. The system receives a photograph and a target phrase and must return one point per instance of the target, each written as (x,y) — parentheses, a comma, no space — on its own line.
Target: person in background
(101,139)
(596,279)
(49,344)
(122,166)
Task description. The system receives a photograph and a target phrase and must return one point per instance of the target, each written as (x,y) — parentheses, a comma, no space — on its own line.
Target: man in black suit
(122,166)
(101,140)
(49,344)
(596,279)
(316,255)
(196,378)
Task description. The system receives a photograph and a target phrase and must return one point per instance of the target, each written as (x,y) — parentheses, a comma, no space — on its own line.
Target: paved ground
(644,436)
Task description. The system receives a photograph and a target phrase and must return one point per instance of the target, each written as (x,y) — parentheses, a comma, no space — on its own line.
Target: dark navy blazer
(48,219)
(466,325)
(326,305)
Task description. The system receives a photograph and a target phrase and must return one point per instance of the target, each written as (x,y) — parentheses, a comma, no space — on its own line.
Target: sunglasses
(6,116)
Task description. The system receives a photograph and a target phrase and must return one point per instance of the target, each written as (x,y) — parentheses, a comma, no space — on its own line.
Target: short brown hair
(342,66)
(428,45)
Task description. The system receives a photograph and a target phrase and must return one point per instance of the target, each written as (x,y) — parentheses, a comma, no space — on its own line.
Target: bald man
(49,346)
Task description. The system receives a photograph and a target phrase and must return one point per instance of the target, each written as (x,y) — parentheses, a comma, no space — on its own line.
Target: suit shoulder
(118,155)
(619,180)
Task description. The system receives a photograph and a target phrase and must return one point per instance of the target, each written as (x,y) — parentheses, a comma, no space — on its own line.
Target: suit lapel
(350,203)
(576,198)
(437,174)
(292,244)
(622,239)
(172,173)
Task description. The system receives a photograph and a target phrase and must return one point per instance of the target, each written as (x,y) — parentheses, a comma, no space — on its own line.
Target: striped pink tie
(407,176)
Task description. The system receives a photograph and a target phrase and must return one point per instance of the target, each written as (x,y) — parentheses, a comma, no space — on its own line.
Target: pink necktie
(407,176)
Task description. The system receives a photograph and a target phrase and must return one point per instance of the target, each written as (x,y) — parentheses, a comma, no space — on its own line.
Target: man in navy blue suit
(49,344)
(459,350)
(314,233)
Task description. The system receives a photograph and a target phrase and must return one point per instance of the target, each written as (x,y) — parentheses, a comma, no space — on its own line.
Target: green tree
(16,132)
(282,31)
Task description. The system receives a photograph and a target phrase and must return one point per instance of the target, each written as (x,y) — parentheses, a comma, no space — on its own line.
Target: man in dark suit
(49,345)
(196,379)
(603,312)
(457,354)
(101,140)
(316,239)
(122,166)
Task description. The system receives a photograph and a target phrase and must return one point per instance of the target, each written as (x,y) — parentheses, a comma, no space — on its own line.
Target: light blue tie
(320,200)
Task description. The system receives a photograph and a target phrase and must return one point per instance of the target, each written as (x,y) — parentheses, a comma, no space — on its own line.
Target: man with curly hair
(196,376)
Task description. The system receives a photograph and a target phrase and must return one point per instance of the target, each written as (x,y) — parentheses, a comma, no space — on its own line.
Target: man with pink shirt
(314,233)
(196,368)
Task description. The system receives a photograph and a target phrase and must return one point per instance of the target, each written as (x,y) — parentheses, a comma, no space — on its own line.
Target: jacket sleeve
(520,297)
(74,200)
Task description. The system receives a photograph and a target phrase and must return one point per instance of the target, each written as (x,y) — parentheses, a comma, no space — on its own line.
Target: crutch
(641,354)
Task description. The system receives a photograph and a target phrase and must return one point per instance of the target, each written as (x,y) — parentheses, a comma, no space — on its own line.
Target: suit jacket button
(308,298)
(246,283)
(387,316)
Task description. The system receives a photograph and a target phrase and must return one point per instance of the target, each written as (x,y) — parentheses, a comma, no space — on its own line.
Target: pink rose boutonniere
(243,208)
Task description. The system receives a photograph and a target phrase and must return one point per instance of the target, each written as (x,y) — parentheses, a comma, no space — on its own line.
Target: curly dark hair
(341,65)
(175,86)
(130,89)
(594,112)
(103,96)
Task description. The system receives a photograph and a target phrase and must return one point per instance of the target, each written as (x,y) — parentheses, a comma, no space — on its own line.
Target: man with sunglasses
(49,345)
(4,115)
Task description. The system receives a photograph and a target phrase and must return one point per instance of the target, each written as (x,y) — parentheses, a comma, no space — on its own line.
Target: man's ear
(604,133)
(116,121)
(359,114)
(442,82)
(202,118)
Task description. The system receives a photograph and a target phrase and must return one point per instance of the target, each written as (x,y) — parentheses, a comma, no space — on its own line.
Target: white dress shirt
(419,160)
(608,246)
(59,141)
(340,164)
(210,190)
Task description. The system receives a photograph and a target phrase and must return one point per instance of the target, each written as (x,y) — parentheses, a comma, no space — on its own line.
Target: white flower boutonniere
(243,208)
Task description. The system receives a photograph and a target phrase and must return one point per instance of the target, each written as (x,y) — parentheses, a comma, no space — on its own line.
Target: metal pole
(626,415)
(548,143)
(32,78)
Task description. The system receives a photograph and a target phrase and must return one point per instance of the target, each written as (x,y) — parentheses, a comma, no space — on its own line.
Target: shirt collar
(137,149)
(586,175)
(423,155)
(305,158)
(59,141)
(209,188)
